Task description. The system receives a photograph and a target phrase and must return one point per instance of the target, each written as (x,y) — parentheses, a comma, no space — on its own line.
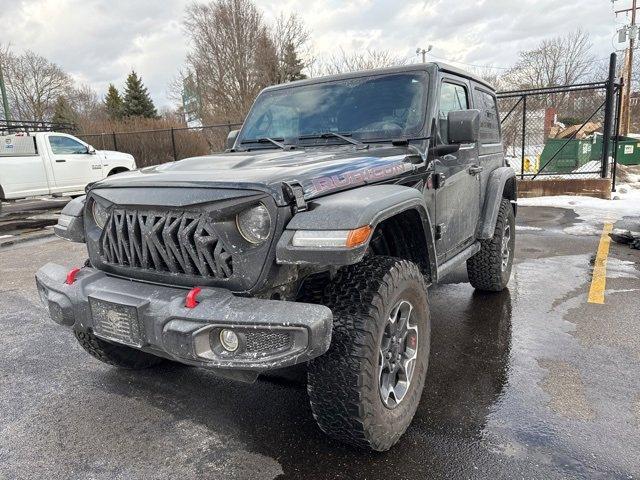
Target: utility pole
(423,52)
(625,110)
(5,101)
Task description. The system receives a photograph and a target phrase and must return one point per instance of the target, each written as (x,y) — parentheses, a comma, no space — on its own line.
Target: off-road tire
(117,355)
(343,384)
(485,268)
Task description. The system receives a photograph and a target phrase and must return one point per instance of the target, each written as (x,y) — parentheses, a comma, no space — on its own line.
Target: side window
(489,120)
(65,145)
(452,97)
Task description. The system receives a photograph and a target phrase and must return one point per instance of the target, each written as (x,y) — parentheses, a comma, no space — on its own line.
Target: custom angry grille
(174,242)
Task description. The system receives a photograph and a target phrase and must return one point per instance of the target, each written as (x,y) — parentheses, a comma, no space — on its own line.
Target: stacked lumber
(570,132)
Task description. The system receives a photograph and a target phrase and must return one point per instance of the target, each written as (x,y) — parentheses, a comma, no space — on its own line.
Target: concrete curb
(24,238)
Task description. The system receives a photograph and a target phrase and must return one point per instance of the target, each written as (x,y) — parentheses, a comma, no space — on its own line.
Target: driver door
(73,166)
(458,198)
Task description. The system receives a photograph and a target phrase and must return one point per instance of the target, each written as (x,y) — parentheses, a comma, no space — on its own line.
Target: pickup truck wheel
(116,355)
(365,390)
(490,268)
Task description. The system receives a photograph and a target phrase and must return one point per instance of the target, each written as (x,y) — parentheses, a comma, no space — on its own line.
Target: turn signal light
(358,236)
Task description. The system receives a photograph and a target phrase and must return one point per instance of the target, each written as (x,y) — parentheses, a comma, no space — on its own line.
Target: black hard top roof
(432,66)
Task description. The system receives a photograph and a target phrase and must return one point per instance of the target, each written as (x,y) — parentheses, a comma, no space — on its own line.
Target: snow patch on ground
(582,229)
(523,228)
(594,211)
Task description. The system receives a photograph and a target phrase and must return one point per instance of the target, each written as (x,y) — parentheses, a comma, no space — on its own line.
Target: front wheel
(490,269)
(365,390)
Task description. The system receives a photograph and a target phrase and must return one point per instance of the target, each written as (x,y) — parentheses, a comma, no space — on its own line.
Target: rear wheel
(490,269)
(365,390)
(116,355)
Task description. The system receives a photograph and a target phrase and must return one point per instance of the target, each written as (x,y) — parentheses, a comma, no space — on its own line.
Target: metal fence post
(115,142)
(524,133)
(173,145)
(608,116)
(616,137)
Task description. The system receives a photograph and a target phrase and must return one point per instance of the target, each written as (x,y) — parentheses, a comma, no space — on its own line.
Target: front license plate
(115,322)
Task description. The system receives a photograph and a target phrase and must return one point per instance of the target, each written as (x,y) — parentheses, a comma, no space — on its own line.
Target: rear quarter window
(489,120)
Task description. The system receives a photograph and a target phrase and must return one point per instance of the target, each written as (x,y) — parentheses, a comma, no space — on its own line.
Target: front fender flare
(501,184)
(71,221)
(349,210)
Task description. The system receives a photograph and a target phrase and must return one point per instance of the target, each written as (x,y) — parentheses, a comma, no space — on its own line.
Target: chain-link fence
(559,132)
(153,147)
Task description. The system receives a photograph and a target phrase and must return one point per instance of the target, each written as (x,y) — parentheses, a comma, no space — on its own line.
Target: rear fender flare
(501,184)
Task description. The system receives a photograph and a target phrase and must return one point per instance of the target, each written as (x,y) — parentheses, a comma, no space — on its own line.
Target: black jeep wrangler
(310,242)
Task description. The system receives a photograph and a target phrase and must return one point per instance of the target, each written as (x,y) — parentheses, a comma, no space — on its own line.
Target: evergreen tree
(291,64)
(113,103)
(63,113)
(137,102)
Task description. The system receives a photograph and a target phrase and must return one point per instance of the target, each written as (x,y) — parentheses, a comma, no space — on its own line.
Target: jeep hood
(319,172)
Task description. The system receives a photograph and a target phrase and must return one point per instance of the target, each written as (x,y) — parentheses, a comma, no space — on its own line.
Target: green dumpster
(628,150)
(565,160)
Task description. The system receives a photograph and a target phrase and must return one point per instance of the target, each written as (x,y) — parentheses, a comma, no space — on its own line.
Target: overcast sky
(99,41)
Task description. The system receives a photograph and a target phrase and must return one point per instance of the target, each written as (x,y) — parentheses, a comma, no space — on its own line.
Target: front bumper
(153,318)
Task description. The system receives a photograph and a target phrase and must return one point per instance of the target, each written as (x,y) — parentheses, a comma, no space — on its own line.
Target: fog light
(229,340)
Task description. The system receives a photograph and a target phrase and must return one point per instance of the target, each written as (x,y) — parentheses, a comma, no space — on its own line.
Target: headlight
(100,214)
(254,224)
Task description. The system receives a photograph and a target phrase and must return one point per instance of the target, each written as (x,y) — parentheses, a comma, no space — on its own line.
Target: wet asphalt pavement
(530,383)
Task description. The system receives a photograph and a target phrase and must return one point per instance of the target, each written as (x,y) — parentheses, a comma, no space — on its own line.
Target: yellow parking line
(599,279)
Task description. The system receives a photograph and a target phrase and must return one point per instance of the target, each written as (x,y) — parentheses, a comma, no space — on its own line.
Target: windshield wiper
(403,142)
(344,137)
(267,140)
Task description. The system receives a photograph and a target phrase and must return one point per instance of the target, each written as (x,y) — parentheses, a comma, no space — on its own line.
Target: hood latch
(295,195)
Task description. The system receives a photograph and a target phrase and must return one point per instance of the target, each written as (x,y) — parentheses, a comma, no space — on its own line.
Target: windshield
(379,107)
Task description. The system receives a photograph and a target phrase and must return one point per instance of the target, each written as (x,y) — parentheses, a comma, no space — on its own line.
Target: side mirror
(464,126)
(231,139)
(91,150)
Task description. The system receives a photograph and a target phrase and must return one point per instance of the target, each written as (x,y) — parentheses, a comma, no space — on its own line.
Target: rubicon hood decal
(360,172)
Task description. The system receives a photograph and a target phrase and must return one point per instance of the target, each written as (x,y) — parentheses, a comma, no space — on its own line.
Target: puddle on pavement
(560,401)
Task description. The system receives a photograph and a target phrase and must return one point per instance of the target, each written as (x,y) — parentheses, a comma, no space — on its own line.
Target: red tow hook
(71,276)
(191,301)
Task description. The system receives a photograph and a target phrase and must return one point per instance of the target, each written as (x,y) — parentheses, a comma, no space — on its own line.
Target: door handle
(60,160)
(475,169)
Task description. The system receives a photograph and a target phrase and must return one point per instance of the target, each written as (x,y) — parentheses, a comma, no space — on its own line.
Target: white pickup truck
(48,163)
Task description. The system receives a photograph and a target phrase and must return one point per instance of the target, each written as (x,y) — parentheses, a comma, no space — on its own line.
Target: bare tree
(85,102)
(492,76)
(290,38)
(235,53)
(562,60)
(33,85)
(345,62)
(228,42)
